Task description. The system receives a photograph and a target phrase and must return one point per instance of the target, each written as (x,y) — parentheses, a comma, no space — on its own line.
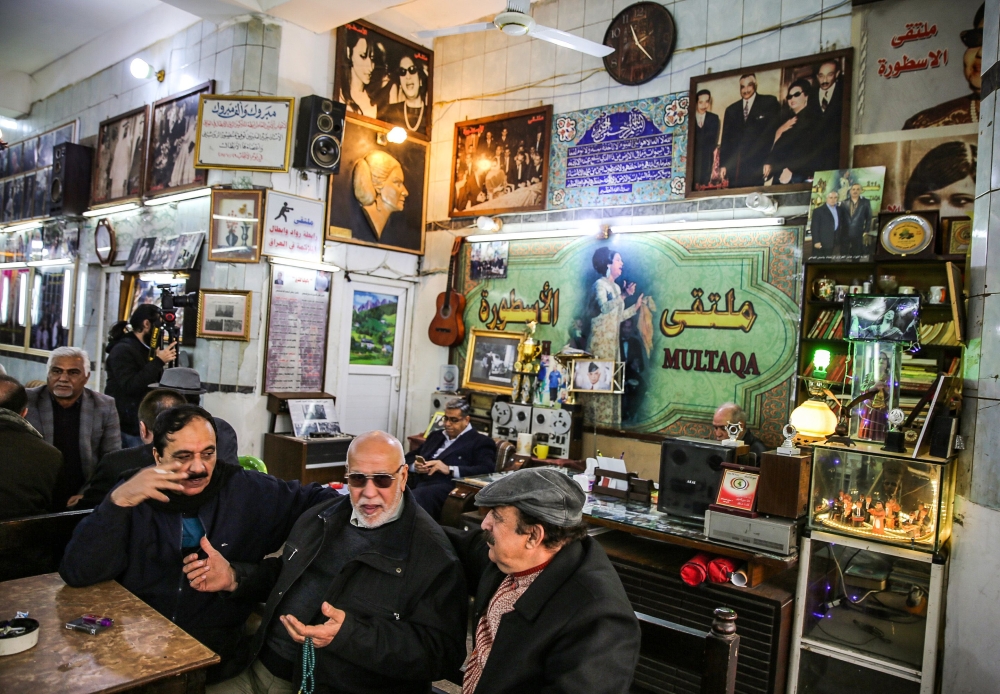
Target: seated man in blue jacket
(141,532)
(456,451)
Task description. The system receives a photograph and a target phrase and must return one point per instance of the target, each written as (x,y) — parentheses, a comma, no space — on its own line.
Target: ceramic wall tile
(726,20)
(472,76)
(597,11)
(799,40)
(723,56)
(571,14)
(835,33)
(473,44)
(691,17)
(760,14)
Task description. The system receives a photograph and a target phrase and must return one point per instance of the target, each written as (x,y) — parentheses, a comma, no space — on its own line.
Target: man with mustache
(553,615)
(370,579)
(149,531)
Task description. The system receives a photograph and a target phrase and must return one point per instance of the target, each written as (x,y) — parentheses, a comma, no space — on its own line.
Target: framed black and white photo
(235,227)
(224,314)
(501,163)
(488,260)
(120,159)
(313,416)
(384,77)
(489,363)
(172,134)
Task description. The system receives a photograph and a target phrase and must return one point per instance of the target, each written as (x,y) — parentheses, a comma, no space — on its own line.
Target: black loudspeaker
(319,134)
(69,191)
(690,474)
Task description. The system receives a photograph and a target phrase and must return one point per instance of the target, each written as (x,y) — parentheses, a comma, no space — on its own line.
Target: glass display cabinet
(862,491)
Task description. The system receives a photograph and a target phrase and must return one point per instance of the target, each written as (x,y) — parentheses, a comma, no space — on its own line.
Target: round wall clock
(643,37)
(104,242)
(907,234)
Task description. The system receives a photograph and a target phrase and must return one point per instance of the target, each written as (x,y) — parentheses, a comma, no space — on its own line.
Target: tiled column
(973,607)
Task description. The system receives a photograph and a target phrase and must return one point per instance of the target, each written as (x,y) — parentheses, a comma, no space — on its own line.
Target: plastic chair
(252,462)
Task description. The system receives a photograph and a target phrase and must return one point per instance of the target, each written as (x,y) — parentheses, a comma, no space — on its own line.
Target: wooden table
(143,651)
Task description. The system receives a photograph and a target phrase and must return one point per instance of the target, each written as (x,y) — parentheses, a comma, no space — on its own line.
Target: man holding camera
(130,368)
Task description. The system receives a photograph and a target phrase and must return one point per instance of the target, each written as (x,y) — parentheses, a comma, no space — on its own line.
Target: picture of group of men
(767,140)
(843,208)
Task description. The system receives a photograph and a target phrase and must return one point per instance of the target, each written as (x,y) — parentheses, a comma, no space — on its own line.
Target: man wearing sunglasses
(372,580)
(455,451)
(964,109)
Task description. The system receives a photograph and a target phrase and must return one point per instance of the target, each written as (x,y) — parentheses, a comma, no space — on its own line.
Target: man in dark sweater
(29,473)
(372,580)
(142,531)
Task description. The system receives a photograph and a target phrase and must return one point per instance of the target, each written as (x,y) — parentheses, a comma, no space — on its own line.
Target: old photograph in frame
(501,163)
(489,361)
(769,126)
(224,314)
(380,196)
(384,77)
(172,134)
(120,159)
(234,235)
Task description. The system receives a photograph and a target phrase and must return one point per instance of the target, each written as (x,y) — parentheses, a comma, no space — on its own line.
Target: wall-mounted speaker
(319,134)
(690,474)
(69,191)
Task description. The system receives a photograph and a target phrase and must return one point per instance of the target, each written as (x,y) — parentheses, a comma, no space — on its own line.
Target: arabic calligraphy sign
(244,132)
(718,320)
(293,227)
(621,154)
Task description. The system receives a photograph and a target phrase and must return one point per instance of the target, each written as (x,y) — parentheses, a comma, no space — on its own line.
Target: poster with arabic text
(253,133)
(293,227)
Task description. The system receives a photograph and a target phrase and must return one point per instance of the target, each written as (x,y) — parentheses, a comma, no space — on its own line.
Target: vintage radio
(440,399)
(509,420)
(775,535)
(690,473)
(561,429)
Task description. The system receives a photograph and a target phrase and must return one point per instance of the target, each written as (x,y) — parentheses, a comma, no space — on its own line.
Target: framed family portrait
(224,314)
(489,362)
(501,163)
(770,126)
(383,77)
(120,159)
(380,196)
(172,135)
(234,235)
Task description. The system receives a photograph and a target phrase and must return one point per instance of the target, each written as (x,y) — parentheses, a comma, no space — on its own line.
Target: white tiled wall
(488,73)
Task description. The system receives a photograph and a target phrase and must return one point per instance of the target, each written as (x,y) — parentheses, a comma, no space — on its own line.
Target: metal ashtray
(17,635)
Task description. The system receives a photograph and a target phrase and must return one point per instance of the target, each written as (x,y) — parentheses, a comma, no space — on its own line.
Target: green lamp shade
(821,359)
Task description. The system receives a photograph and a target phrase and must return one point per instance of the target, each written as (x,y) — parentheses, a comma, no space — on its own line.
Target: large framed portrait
(489,362)
(224,314)
(235,228)
(172,133)
(501,163)
(380,196)
(120,159)
(384,77)
(771,125)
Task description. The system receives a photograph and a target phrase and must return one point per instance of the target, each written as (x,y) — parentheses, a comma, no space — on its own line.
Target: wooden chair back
(34,545)
(712,654)
(505,455)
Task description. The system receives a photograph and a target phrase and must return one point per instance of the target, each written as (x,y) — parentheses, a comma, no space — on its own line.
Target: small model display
(862,491)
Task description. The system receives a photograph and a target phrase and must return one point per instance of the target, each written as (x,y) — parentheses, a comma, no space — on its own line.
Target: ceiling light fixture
(113,209)
(178,197)
(700,226)
(23,227)
(524,235)
(489,224)
(142,70)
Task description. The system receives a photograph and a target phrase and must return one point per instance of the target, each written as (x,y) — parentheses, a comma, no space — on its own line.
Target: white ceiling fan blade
(566,40)
(451,31)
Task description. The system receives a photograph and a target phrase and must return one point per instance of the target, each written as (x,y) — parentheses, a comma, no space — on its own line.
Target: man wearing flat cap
(552,613)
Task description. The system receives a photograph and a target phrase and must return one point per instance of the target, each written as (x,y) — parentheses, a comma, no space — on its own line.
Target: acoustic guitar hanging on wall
(447,328)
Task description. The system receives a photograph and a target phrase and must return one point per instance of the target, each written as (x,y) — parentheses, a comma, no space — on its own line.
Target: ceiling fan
(515,21)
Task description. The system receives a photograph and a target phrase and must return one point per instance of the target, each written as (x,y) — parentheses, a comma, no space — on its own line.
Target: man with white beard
(372,582)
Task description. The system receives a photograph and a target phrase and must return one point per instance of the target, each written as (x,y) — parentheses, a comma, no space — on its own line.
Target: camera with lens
(167,332)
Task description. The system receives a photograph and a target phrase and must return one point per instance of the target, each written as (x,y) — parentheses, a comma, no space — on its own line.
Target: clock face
(643,38)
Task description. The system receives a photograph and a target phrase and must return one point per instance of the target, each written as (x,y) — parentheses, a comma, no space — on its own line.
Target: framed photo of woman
(383,77)
(769,126)
(236,226)
(119,162)
(172,134)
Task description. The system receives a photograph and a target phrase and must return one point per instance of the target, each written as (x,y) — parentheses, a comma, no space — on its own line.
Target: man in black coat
(830,98)
(456,451)
(552,613)
(28,473)
(145,529)
(829,227)
(706,138)
(371,579)
(748,128)
(858,212)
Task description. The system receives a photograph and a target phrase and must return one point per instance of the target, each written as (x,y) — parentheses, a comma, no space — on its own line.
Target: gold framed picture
(489,363)
(224,314)
(235,225)
(250,133)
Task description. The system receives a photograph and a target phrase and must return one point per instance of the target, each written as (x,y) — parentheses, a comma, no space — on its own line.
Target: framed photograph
(224,314)
(313,416)
(235,227)
(882,318)
(188,249)
(596,376)
(843,213)
(172,134)
(29,154)
(384,77)
(501,163)
(957,232)
(14,159)
(771,126)
(373,331)
(489,362)
(141,256)
(380,196)
(120,158)
(251,133)
(488,260)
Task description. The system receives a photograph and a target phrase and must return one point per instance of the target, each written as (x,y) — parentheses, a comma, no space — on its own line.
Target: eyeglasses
(412,70)
(453,420)
(794,95)
(382,480)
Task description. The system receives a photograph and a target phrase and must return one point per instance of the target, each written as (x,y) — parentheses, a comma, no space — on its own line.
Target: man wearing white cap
(553,615)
